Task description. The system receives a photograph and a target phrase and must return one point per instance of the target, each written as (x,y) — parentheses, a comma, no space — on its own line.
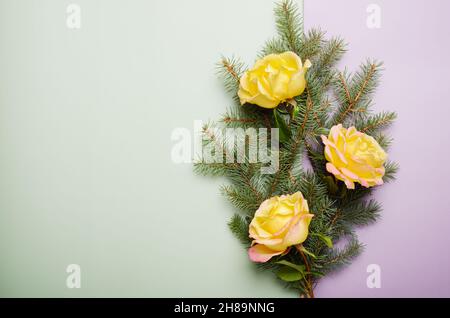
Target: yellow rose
(279,223)
(274,79)
(354,157)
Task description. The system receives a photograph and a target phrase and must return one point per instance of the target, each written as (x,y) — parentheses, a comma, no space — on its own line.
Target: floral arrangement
(330,150)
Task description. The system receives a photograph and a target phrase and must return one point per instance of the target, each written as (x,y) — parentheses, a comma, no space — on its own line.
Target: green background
(86,175)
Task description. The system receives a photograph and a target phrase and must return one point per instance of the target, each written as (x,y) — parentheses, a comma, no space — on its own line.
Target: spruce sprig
(331,97)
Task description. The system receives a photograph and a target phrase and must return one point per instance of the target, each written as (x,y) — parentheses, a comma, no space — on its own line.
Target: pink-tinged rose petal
(332,144)
(335,132)
(341,156)
(379,181)
(349,184)
(357,159)
(364,183)
(349,174)
(261,254)
(299,231)
(283,229)
(328,153)
(268,242)
(380,170)
(332,169)
(350,131)
(338,152)
(324,139)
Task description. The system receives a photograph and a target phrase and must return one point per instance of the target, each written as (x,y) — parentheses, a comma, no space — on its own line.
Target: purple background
(410,242)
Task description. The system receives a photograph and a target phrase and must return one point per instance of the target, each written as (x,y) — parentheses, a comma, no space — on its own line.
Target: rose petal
(299,231)
(332,169)
(261,254)
(349,184)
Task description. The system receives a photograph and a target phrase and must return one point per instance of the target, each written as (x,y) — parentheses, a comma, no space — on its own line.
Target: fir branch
(316,155)
(383,140)
(354,95)
(211,169)
(306,121)
(349,197)
(273,46)
(343,90)
(229,119)
(237,172)
(239,227)
(340,257)
(361,213)
(287,160)
(391,169)
(364,82)
(331,53)
(312,43)
(242,198)
(230,71)
(289,24)
(336,209)
(376,122)
(243,117)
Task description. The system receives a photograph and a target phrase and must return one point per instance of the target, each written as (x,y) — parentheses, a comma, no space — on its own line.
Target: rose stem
(311,292)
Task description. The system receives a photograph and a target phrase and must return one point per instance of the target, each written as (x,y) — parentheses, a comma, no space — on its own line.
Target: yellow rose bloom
(280,222)
(354,157)
(273,79)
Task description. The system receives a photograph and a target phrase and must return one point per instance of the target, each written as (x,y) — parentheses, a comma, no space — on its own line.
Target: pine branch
(230,71)
(239,227)
(243,117)
(364,82)
(273,46)
(361,213)
(241,174)
(337,210)
(211,169)
(341,257)
(354,94)
(309,120)
(229,119)
(391,169)
(376,122)
(242,198)
(289,24)
(287,159)
(312,43)
(383,140)
(322,71)
(328,56)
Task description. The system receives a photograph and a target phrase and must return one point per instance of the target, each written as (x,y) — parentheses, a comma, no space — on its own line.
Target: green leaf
(300,268)
(326,239)
(289,274)
(280,123)
(295,111)
(304,250)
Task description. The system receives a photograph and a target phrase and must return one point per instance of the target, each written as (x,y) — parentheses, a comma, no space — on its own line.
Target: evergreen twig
(337,211)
